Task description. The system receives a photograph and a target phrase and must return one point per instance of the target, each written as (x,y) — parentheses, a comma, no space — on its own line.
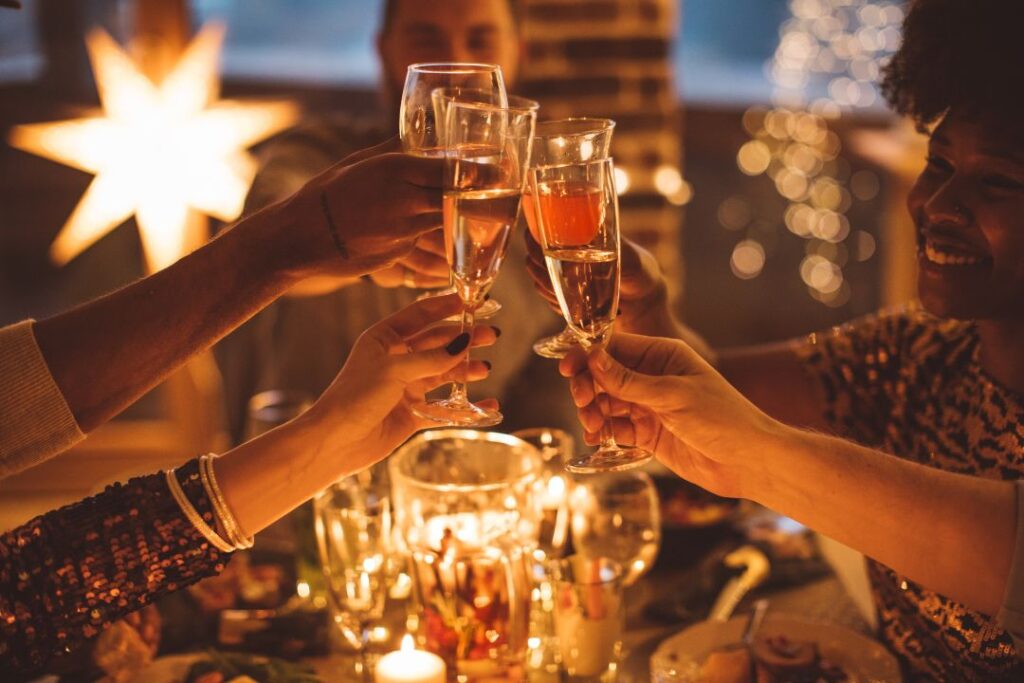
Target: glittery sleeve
(67,574)
(860,367)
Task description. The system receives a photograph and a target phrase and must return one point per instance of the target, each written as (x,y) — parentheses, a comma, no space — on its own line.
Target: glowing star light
(158,152)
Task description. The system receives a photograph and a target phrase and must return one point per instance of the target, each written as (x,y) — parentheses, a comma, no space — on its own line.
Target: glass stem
(459,394)
(608,442)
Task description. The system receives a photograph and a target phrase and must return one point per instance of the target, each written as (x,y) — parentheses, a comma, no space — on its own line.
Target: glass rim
(445,91)
(530,106)
(532,431)
(600,125)
(453,68)
(533,171)
(403,451)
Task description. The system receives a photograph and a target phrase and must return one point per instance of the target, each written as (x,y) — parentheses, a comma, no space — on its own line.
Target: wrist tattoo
(339,242)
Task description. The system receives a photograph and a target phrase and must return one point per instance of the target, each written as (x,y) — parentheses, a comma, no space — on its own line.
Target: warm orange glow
(158,151)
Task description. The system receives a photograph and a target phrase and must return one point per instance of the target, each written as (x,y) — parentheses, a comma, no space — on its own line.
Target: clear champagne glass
(418,124)
(617,515)
(353,522)
(485,170)
(577,212)
(557,142)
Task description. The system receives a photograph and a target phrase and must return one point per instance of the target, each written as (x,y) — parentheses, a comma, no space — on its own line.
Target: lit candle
(410,665)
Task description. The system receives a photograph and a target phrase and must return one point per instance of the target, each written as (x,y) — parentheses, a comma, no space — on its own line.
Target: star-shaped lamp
(158,151)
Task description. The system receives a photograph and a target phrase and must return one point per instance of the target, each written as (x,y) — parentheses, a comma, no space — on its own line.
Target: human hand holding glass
(577,213)
(485,166)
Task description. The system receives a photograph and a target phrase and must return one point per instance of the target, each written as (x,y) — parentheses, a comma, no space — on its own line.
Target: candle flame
(408,644)
(556,487)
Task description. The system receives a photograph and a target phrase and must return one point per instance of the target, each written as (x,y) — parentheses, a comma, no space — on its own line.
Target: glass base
(487,309)
(457,413)
(431,293)
(608,459)
(557,346)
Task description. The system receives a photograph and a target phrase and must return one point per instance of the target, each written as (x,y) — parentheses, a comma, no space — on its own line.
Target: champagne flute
(557,142)
(418,122)
(577,213)
(353,523)
(617,515)
(485,170)
(443,98)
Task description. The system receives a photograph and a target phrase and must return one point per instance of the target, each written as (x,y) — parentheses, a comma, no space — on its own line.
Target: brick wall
(611,58)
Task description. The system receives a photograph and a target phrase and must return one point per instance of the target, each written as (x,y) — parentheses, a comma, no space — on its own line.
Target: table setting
(479,556)
(474,556)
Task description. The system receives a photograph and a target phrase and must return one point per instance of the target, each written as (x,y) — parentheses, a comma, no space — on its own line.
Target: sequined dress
(912,385)
(67,574)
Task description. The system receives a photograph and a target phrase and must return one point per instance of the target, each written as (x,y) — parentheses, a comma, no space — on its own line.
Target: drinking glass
(488,153)
(466,506)
(557,142)
(270,409)
(418,122)
(353,531)
(589,617)
(577,214)
(617,515)
(292,535)
(555,447)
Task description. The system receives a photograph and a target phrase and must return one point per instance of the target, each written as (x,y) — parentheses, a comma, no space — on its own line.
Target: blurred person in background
(939,384)
(298,343)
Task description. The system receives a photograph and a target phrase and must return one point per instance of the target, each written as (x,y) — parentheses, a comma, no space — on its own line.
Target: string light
(158,151)
(839,47)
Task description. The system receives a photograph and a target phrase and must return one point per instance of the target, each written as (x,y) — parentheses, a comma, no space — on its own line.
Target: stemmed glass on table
(354,538)
(577,211)
(558,142)
(418,123)
(487,154)
(617,515)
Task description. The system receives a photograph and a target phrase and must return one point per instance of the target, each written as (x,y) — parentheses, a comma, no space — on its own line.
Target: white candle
(410,665)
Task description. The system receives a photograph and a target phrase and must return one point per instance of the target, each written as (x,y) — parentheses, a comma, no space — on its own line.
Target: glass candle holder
(589,617)
(467,507)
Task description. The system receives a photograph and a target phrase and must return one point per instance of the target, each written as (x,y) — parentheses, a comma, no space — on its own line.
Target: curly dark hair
(959,54)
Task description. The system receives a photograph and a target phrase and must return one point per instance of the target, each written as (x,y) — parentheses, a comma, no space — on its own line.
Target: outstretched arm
(952,533)
(351,220)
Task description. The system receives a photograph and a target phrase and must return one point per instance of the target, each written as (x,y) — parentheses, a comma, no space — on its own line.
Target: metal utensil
(755,571)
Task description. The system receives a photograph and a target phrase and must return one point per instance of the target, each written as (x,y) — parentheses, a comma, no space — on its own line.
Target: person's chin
(958,293)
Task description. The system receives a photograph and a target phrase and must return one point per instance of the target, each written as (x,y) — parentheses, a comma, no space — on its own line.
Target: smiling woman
(967,206)
(940,384)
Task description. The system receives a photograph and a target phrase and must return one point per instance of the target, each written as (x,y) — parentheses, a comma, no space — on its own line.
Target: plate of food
(785,649)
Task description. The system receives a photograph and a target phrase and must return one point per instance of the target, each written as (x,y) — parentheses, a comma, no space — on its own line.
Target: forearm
(264,479)
(107,353)
(951,533)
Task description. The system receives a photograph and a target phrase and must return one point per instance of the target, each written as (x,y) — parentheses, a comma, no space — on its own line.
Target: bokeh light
(838,47)
(747,260)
